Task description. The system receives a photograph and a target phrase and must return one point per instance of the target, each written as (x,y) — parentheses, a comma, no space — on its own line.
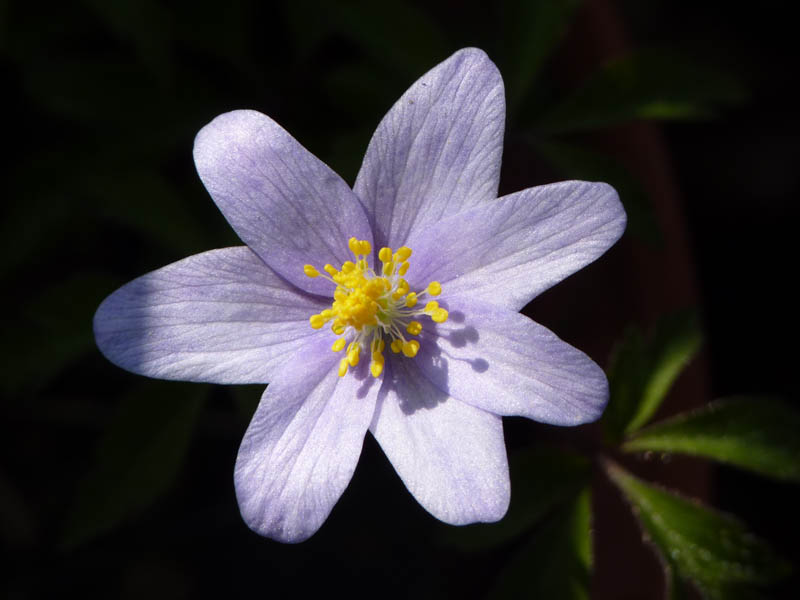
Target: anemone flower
(391,307)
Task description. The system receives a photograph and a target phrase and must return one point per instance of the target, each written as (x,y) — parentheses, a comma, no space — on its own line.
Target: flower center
(370,308)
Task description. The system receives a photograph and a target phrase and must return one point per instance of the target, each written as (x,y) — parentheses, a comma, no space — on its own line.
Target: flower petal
(284,202)
(450,455)
(302,446)
(222,316)
(504,363)
(509,251)
(438,149)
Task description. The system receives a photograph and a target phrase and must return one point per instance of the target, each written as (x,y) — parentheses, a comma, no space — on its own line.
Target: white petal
(437,151)
(284,202)
(504,363)
(508,251)
(222,316)
(302,446)
(450,455)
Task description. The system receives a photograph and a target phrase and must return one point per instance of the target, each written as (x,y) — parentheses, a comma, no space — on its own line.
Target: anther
(411,348)
(343,367)
(414,327)
(385,255)
(439,315)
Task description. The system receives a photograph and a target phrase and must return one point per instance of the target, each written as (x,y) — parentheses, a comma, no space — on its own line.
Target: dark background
(103,100)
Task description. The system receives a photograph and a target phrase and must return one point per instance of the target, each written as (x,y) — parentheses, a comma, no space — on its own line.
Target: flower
(425,271)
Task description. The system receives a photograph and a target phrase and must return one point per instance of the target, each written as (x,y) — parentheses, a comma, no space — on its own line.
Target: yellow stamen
(440,315)
(411,348)
(403,253)
(385,255)
(374,308)
(343,367)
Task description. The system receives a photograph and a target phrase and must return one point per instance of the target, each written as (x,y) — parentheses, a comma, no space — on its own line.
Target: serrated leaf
(576,162)
(137,459)
(557,561)
(531,29)
(648,84)
(760,434)
(543,478)
(643,371)
(712,549)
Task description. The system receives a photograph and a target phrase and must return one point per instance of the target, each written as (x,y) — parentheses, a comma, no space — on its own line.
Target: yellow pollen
(411,348)
(374,308)
(403,253)
(414,327)
(440,315)
(385,255)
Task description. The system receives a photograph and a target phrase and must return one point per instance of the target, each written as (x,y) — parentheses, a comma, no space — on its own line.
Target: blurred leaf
(760,434)
(557,561)
(713,550)
(246,399)
(18,526)
(143,23)
(648,84)
(643,370)
(676,587)
(137,460)
(147,203)
(397,34)
(54,330)
(531,29)
(543,478)
(576,162)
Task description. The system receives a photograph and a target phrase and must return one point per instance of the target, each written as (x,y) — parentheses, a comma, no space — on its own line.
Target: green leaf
(576,162)
(760,434)
(137,459)
(643,370)
(52,331)
(541,479)
(557,561)
(396,34)
(531,29)
(649,84)
(713,550)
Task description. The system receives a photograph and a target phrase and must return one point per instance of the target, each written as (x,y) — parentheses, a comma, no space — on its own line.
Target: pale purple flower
(243,315)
